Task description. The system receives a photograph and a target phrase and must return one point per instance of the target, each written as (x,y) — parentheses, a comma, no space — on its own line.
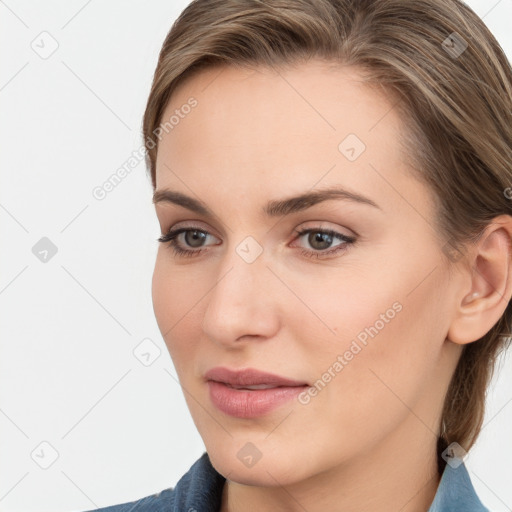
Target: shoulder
(200,488)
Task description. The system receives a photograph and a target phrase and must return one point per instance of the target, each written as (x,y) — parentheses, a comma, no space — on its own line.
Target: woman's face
(359,315)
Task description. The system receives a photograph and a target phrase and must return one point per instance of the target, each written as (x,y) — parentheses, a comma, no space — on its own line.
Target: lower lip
(244,403)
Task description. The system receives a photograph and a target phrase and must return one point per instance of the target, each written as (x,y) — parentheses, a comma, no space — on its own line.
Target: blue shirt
(200,490)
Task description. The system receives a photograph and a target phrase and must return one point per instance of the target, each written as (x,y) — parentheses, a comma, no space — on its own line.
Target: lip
(249,377)
(244,403)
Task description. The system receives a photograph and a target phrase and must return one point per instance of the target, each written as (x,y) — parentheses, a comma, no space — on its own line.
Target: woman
(333,281)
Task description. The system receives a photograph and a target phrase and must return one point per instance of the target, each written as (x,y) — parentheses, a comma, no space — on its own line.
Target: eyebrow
(274,208)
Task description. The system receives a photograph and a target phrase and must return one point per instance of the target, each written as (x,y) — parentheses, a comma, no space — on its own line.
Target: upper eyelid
(317,224)
(318,227)
(161,208)
(190,225)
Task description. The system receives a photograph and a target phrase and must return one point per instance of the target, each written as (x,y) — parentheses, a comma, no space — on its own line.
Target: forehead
(257,128)
(321,95)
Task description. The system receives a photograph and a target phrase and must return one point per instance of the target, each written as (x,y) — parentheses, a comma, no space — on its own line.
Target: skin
(367,440)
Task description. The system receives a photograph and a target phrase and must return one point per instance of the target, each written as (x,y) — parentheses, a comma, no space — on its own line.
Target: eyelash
(171,238)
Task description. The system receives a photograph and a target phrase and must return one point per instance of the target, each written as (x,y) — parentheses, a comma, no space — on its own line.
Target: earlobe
(490,284)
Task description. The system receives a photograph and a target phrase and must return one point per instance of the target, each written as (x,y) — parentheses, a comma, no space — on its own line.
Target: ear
(478,310)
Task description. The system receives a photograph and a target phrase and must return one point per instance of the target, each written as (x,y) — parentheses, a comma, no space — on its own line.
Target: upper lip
(249,377)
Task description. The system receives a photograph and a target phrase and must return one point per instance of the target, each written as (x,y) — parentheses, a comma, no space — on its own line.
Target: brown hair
(455,102)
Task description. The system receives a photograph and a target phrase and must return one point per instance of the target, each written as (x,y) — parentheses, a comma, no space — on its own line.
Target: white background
(69,326)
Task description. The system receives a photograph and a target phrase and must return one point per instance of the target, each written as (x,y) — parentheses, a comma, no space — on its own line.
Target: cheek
(175,304)
(337,305)
(388,374)
(375,322)
(175,292)
(393,295)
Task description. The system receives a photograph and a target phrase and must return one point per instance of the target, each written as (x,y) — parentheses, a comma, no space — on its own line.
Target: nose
(243,304)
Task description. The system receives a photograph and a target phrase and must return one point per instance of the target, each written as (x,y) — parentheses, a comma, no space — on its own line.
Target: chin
(270,470)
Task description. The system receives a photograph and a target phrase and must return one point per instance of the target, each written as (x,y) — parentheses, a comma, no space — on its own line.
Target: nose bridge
(240,301)
(243,267)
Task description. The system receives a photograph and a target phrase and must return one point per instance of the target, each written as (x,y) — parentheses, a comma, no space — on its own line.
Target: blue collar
(456,492)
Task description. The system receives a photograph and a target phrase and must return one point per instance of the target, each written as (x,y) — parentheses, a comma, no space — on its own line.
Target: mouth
(254,387)
(250,393)
(250,378)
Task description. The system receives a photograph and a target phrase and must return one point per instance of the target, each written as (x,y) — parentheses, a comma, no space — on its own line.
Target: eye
(193,237)
(321,241)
